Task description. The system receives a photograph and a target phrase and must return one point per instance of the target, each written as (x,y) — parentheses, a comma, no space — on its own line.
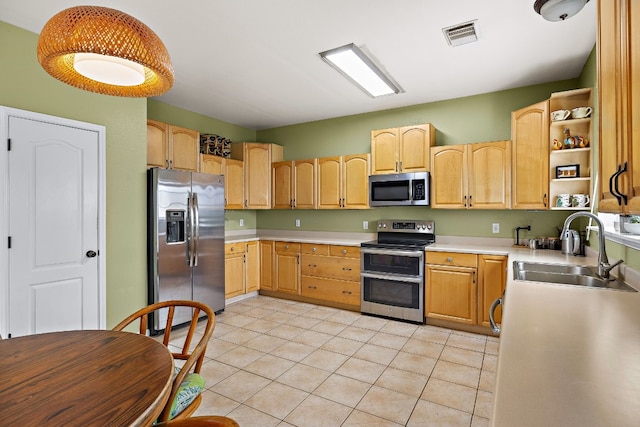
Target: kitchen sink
(566,274)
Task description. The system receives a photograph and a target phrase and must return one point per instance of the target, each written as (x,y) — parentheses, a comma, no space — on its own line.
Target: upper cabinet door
(618,39)
(489,175)
(233,184)
(304,174)
(530,157)
(157,144)
(211,164)
(384,151)
(329,182)
(184,146)
(282,185)
(355,181)
(415,143)
(449,177)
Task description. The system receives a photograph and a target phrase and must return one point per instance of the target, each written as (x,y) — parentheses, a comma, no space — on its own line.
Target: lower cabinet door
(451,293)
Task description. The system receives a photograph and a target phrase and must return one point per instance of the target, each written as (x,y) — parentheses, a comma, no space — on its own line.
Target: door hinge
(9,242)
(8,144)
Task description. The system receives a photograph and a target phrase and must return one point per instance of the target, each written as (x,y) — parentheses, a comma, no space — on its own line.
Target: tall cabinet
(618,38)
(257,158)
(530,157)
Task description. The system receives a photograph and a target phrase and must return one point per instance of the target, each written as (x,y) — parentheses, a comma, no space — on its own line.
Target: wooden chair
(203,421)
(193,356)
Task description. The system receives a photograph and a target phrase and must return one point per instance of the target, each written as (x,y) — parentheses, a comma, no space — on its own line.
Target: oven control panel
(406,226)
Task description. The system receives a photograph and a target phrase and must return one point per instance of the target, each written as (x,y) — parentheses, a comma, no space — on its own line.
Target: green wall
(479,118)
(26,86)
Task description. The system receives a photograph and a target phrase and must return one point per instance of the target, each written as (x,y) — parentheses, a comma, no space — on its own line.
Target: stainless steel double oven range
(392,269)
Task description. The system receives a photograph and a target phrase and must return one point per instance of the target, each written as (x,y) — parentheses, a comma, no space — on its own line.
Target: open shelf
(579,158)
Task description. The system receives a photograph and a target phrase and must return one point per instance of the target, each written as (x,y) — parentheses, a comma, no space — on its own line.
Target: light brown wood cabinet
(492,279)
(242,268)
(287,267)
(233,171)
(172,147)
(294,184)
(530,157)
(617,42)
(266,265)
(257,158)
(331,274)
(401,150)
(471,176)
(460,287)
(343,182)
(451,289)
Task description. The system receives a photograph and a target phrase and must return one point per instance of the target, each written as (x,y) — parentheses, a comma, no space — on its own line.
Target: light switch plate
(365,225)
(242,223)
(297,223)
(496,227)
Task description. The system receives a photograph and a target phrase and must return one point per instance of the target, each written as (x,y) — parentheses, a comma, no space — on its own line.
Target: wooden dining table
(83,378)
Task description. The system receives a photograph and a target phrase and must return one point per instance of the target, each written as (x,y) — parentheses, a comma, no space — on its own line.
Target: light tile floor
(274,362)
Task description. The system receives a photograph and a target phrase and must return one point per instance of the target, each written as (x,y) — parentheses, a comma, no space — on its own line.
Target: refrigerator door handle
(196,228)
(190,231)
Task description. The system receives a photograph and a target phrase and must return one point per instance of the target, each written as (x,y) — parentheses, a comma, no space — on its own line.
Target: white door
(54,197)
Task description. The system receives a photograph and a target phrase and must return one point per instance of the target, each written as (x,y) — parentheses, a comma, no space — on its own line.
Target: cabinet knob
(313,249)
(344,251)
(232,249)
(286,246)
(449,259)
(346,268)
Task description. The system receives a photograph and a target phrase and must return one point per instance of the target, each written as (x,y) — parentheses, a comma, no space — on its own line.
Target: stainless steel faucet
(603,262)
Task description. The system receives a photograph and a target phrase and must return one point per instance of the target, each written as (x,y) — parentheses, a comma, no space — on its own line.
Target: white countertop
(569,355)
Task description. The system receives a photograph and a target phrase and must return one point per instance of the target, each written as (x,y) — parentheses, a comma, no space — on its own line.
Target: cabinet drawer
(331,290)
(345,251)
(288,247)
(313,249)
(331,267)
(452,258)
(234,248)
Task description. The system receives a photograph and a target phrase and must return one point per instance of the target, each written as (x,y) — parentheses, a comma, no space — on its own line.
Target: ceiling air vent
(457,35)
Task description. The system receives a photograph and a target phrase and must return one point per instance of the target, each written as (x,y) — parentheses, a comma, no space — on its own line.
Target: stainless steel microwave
(403,189)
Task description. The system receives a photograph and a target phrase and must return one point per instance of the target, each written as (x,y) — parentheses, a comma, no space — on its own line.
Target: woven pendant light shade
(104,31)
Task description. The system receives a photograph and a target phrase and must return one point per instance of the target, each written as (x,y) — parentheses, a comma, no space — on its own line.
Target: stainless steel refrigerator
(185,241)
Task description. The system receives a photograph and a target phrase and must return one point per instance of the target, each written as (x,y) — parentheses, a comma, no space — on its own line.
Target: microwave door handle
(410,189)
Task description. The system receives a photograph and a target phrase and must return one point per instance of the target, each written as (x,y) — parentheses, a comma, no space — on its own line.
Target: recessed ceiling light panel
(358,68)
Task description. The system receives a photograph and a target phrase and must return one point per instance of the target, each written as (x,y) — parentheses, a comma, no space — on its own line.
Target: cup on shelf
(560,115)
(581,112)
(563,201)
(580,200)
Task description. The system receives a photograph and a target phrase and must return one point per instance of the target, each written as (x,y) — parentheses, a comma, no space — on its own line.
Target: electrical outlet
(297,223)
(242,223)
(496,227)
(365,225)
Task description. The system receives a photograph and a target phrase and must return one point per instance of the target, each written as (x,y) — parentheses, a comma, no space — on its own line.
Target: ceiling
(255,63)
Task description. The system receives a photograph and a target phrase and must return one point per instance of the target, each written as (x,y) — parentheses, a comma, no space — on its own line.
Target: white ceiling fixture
(357,67)
(460,34)
(558,10)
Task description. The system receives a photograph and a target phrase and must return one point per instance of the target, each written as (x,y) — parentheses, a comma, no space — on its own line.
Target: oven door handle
(393,252)
(394,278)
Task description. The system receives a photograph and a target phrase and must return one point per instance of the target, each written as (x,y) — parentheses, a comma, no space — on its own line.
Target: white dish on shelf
(632,227)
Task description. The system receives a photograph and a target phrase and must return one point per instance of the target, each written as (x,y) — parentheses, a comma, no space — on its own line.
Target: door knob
(91,254)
